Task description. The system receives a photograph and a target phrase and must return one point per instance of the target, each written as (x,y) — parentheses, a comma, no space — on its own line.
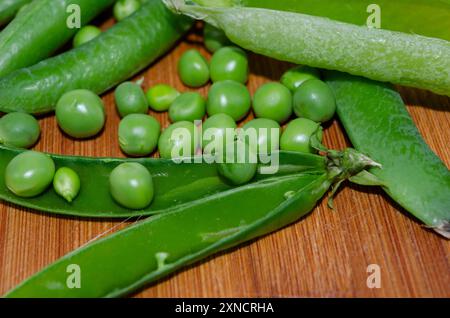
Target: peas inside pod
(131,185)
(67,183)
(19,130)
(29,174)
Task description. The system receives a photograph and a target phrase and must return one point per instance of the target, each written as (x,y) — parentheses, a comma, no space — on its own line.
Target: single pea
(242,168)
(187,107)
(19,130)
(273,101)
(66,183)
(262,135)
(80,113)
(315,100)
(214,38)
(229,63)
(139,134)
(161,96)
(229,97)
(193,69)
(297,135)
(178,141)
(214,131)
(124,8)
(130,99)
(131,185)
(29,174)
(296,76)
(86,34)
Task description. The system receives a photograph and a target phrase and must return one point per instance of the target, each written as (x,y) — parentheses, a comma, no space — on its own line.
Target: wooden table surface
(324,255)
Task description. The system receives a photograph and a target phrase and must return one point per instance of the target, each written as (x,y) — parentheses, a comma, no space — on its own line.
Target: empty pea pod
(188,233)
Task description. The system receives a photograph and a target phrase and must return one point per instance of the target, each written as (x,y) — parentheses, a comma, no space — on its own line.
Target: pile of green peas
(81,114)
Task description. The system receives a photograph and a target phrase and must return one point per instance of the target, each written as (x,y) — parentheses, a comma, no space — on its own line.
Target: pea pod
(100,64)
(8,8)
(381,55)
(174,185)
(41,29)
(378,124)
(399,15)
(182,235)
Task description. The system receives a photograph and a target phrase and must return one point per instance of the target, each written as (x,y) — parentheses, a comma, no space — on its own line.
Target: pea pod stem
(378,124)
(107,60)
(183,235)
(377,54)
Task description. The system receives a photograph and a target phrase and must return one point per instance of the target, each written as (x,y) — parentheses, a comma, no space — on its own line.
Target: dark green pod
(379,125)
(107,60)
(41,29)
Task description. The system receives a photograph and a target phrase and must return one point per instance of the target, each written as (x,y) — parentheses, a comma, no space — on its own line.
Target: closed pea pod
(19,130)
(66,183)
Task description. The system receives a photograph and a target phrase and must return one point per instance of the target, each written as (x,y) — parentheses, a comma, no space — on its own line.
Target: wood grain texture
(324,255)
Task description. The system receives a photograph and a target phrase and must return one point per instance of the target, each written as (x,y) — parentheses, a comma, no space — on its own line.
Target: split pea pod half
(175,184)
(382,55)
(183,235)
(98,65)
(379,125)
(9,8)
(43,27)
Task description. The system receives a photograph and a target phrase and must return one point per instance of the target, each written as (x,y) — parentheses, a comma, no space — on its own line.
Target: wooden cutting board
(326,254)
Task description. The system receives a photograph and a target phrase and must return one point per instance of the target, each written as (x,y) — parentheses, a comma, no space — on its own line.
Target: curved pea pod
(399,15)
(175,185)
(43,27)
(183,235)
(378,124)
(9,8)
(100,64)
(377,54)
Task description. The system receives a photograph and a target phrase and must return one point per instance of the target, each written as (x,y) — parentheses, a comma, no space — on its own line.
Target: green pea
(124,8)
(229,63)
(138,134)
(214,129)
(19,130)
(187,107)
(241,170)
(66,183)
(86,34)
(296,76)
(178,141)
(161,96)
(315,100)
(229,97)
(259,134)
(131,185)
(214,38)
(130,99)
(297,135)
(273,101)
(29,174)
(193,69)
(80,113)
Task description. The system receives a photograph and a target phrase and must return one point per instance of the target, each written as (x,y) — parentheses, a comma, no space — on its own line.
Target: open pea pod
(149,250)
(175,184)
